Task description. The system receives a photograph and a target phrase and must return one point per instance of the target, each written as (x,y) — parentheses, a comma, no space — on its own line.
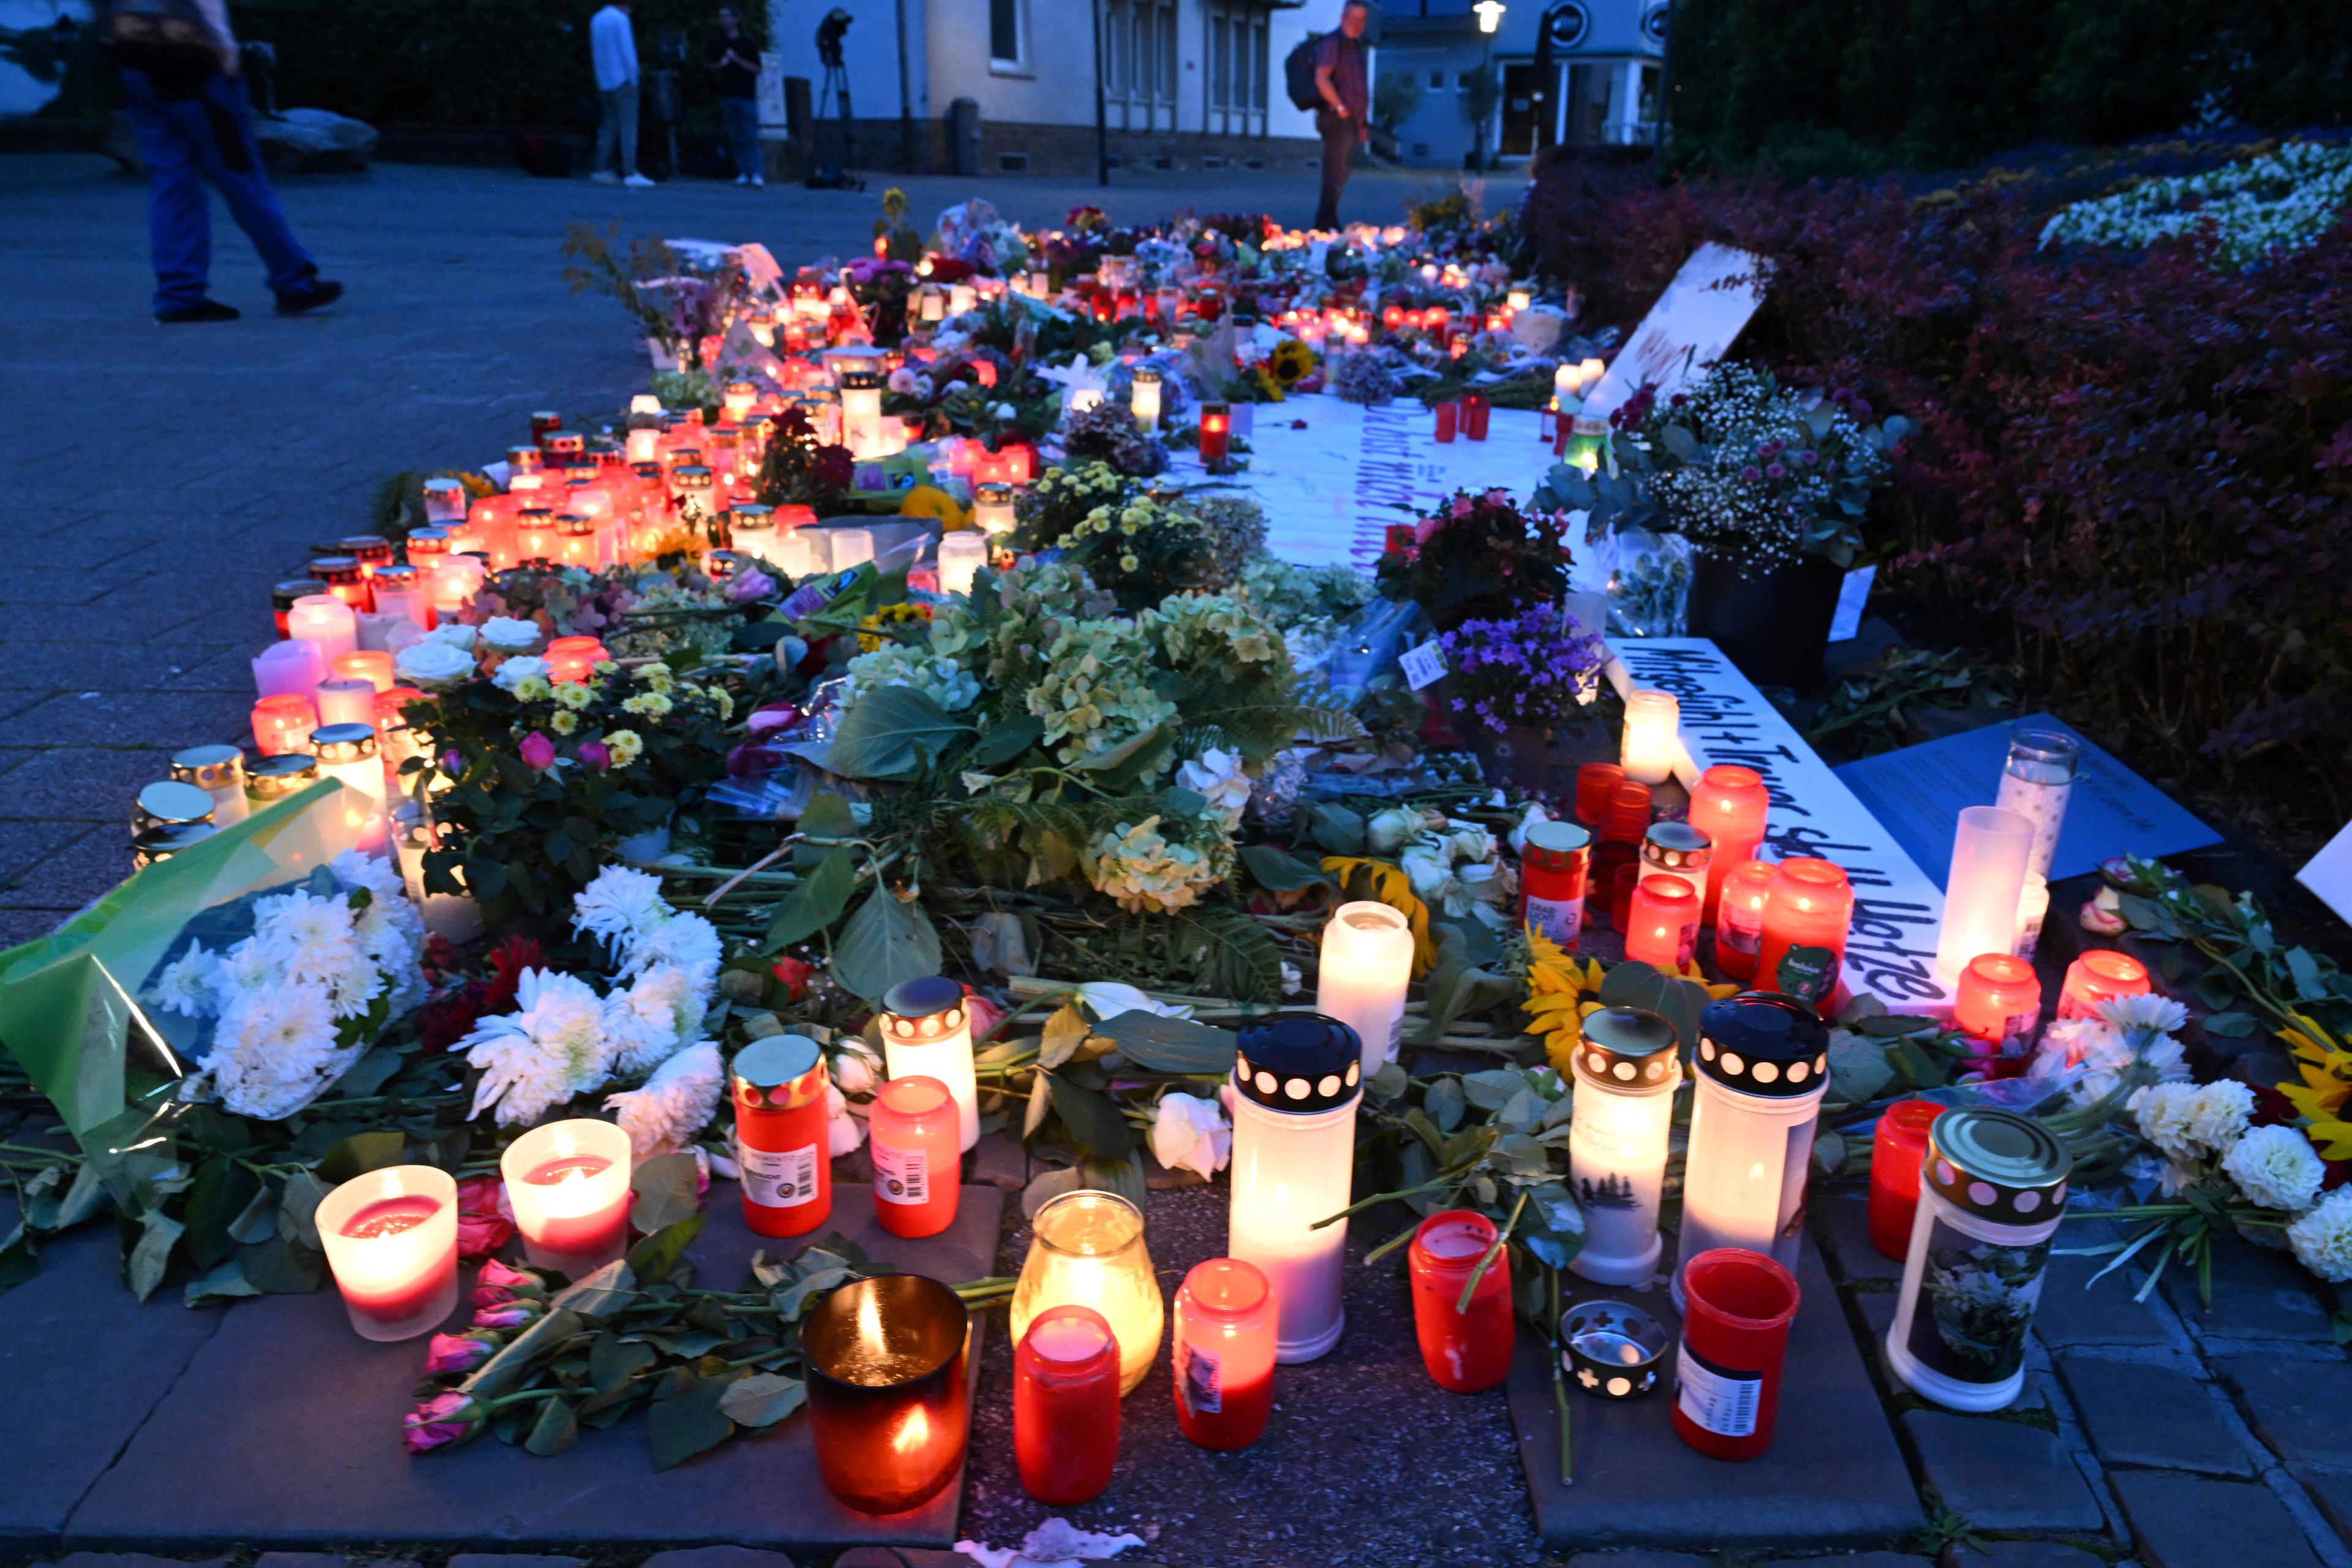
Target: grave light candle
(1625,1072)
(568,1184)
(1065,1405)
(1583,444)
(1463,1351)
(962,554)
(1762,1065)
(1624,821)
(1594,782)
(576,539)
(1678,849)
(1807,914)
(1361,974)
(1555,873)
(1086,1248)
(1652,738)
(1216,432)
(1739,917)
(1478,414)
(1663,931)
(917,1169)
(1999,999)
(1896,1149)
(169,802)
(455,581)
(575,658)
(2035,782)
(1989,851)
(927,1032)
(219,771)
(991,509)
(370,665)
(1621,883)
(347,699)
(751,529)
(340,575)
(347,753)
(273,778)
(1297,1083)
(2102,974)
(1223,1359)
(1143,400)
(396,595)
(1449,415)
(1736,1309)
(391,1238)
(1731,806)
(323,620)
(888,1408)
(445,501)
(778,1084)
(283,597)
(282,723)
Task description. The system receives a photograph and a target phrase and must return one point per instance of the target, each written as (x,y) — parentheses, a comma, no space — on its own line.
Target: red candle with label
(1739,917)
(778,1085)
(1808,910)
(1553,873)
(1730,807)
(1466,1351)
(1662,930)
(1738,1309)
(2100,975)
(1065,1405)
(917,1156)
(573,659)
(1448,417)
(1477,412)
(1594,782)
(1216,432)
(1999,998)
(1896,1151)
(1224,1353)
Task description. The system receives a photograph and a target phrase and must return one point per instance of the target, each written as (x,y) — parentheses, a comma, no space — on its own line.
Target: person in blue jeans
(736,65)
(193,126)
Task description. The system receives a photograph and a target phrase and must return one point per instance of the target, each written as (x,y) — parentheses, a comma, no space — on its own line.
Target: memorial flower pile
(2260,210)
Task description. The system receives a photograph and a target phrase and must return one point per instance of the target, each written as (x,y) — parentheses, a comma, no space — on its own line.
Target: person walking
(1343,121)
(187,108)
(614,48)
(736,64)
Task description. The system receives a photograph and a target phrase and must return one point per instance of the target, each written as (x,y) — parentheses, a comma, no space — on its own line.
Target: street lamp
(1490,16)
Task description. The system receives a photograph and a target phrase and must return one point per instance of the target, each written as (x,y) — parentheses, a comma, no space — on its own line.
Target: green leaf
(218,1197)
(887,940)
(367,1075)
(514,1361)
(1444,1103)
(829,815)
(1280,871)
(613,1361)
(1007,738)
(298,1214)
(1170,1045)
(763,1399)
(1233,955)
(665,1191)
(1493,1089)
(225,1283)
(651,1260)
(1093,1119)
(793,1299)
(1894,1026)
(85,1198)
(556,1429)
(2230,1025)
(1047,1185)
(888,732)
(283,1268)
(1123,766)
(1065,1032)
(686,1420)
(1336,828)
(815,902)
(152,1254)
(1859,1070)
(362,1152)
(1637,985)
(1124,1177)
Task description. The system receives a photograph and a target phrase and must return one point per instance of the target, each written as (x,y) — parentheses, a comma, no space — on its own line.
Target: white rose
(1427,867)
(1190,1134)
(515,672)
(854,1070)
(457,634)
(1529,818)
(432,663)
(2275,1167)
(1390,828)
(1469,841)
(2322,1238)
(504,633)
(842,1131)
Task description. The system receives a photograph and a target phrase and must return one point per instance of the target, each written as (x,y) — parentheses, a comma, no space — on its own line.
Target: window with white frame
(1008,35)
(1236,70)
(1139,63)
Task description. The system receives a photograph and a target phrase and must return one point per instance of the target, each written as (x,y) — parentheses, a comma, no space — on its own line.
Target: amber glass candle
(887,1404)
(1897,1150)
(2000,997)
(2100,975)
(1065,1405)
(1739,917)
(1810,906)
(1730,807)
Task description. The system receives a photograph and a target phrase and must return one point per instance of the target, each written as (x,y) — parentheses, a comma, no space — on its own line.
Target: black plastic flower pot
(1773,622)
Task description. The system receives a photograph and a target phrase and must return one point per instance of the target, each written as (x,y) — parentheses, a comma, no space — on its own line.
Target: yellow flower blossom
(572,694)
(563,723)
(626,746)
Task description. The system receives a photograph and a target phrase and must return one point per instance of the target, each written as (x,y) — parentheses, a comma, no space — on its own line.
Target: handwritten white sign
(1690,327)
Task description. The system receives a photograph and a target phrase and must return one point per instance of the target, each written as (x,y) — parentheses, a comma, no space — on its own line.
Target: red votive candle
(1808,910)
(1663,927)
(1224,1357)
(1476,415)
(1730,807)
(1999,998)
(1739,918)
(1448,417)
(1465,1352)
(1594,782)
(568,1184)
(782,1143)
(391,1238)
(1623,822)
(1896,1151)
(1622,881)
(917,1156)
(573,659)
(1216,432)
(2100,975)
(889,1409)
(282,724)
(1065,1405)
(1738,1309)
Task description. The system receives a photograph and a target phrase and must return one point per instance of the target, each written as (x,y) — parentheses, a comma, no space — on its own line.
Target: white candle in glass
(2035,783)
(568,1184)
(289,668)
(850,547)
(1761,1068)
(455,581)
(347,753)
(345,700)
(1625,1075)
(1144,400)
(927,1033)
(992,507)
(1361,974)
(961,555)
(1292,1168)
(1652,740)
(795,551)
(323,620)
(1989,851)
(391,1238)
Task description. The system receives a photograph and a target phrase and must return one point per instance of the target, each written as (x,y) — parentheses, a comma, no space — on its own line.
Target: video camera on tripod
(829,35)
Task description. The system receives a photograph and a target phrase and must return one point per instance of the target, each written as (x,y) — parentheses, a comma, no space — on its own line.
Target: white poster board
(1690,327)
(2329,873)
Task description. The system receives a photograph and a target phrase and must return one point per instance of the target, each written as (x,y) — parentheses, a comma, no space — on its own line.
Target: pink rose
(516,1280)
(538,750)
(597,756)
(1426,530)
(504,1314)
(984,1014)
(484,1221)
(456,1352)
(443,1419)
(1461,506)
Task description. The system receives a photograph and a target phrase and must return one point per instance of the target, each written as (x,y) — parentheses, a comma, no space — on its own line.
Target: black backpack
(1298,74)
(158,37)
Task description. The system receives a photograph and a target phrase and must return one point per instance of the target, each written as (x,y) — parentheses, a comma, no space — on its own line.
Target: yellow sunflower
(930,501)
(1291,362)
(870,635)
(2321,1098)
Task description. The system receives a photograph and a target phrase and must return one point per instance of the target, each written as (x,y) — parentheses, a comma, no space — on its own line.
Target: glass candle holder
(1086,1248)
(778,1085)
(370,665)
(326,621)
(1896,1149)
(1144,398)
(1224,1359)
(1216,432)
(283,596)
(283,723)
(274,778)
(1361,973)
(992,507)
(1990,851)
(1065,1405)
(851,547)
(1762,1066)
(445,501)
(1624,821)
(1449,419)
(888,1406)
(1652,735)
(219,771)
(1999,999)
(568,1184)
(2032,910)
(347,753)
(1477,415)
(1594,782)
(1736,1306)
(1731,807)
(1626,1071)
(2102,974)
(1807,913)
(574,659)
(396,595)
(1554,874)
(1465,1352)
(962,554)
(2035,782)
(1745,890)
(918,1170)
(346,699)
(391,1238)
(1621,883)
(927,1031)
(341,577)
(1297,1084)
(1661,929)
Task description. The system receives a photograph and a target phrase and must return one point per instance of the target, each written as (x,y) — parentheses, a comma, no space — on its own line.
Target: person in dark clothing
(193,126)
(736,64)
(1344,120)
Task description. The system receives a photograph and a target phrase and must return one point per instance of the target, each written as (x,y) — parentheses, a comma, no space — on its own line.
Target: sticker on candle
(903,1174)
(1723,1401)
(1422,665)
(1197,1374)
(780,1180)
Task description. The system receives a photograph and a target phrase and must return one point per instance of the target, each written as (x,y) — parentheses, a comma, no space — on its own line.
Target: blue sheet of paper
(1917,793)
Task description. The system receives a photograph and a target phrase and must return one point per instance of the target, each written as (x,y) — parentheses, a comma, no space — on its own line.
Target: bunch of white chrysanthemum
(2127,1044)
(677,1102)
(2206,1138)
(552,1046)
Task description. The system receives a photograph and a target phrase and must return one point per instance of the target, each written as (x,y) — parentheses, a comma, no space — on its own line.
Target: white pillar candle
(289,668)
(455,581)
(323,620)
(1652,741)
(1566,383)
(796,553)
(568,1184)
(1591,370)
(850,547)
(643,445)
(1762,1064)
(1144,399)
(1625,1076)
(992,507)
(1297,1084)
(391,1238)
(927,1033)
(961,555)
(1990,851)
(1361,974)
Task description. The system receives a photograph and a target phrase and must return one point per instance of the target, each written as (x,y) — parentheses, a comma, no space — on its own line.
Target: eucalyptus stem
(1494,1250)
(1378,1198)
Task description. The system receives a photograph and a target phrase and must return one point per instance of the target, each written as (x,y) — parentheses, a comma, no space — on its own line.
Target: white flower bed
(2264,206)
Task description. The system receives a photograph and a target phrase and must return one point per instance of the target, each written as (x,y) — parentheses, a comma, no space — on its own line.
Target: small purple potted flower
(1512,684)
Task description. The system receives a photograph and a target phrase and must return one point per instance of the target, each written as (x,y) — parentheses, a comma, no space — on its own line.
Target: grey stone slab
(92,718)
(2180,1520)
(718,1557)
(2001,1475)
(510,1560)
(252,1446)
(1840,1223)
(2303,1409)
(78,784)
(2332,1490)
(1833,1477)
(2073,1312)
(2142,1414)
(1000,1160)
(74,874)
(25,844)
(130,1559)
(2258,1294)
(329,1560)
(83,1364)
(2021,1554)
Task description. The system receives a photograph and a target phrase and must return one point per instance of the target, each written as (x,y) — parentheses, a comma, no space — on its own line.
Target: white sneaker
(743,179)
(758,181)
(638,182)
(606,177)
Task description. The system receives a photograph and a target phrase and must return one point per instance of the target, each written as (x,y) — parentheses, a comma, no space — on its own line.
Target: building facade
(1607,77)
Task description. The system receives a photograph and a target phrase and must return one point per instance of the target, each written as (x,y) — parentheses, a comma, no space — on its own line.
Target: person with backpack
(1342,117)
(178,61)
